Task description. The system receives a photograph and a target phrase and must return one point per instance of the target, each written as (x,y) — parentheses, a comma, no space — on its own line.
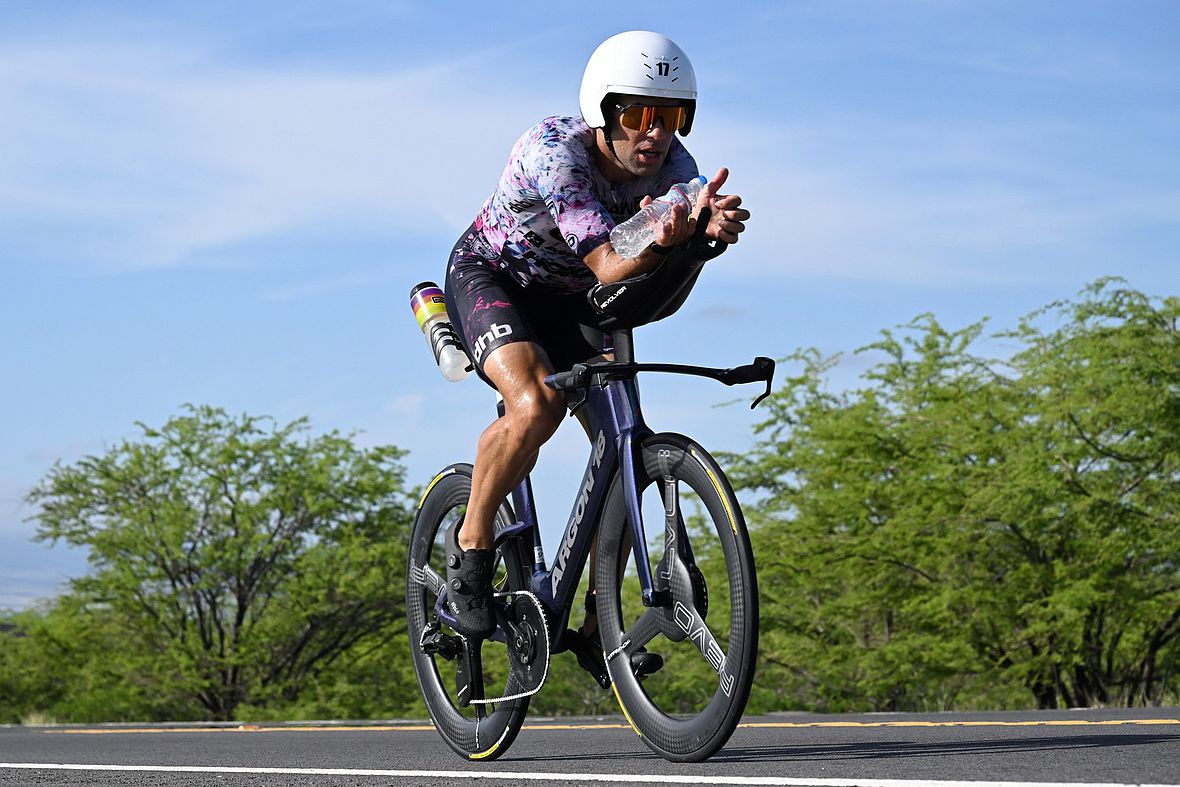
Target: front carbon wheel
(475,732)
(706,627)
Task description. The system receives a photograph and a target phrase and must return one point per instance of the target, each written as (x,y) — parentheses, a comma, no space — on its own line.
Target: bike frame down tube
(616,426)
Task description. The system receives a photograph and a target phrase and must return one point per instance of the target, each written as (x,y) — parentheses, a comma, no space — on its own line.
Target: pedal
(589,655)
(434,643)
(644,664)
(526,635)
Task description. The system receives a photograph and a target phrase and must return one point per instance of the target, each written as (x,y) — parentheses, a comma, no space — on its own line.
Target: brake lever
(765,367)
(762,369)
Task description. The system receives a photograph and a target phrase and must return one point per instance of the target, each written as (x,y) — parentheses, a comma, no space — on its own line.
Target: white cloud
(13,510)
(143,156)
(22,589)
(943,204)
(165,160)
(28,570)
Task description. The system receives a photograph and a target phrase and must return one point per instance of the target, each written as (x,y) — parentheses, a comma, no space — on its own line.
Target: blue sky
(227,204)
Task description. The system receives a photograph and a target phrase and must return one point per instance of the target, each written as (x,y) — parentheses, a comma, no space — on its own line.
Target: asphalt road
(1136,746)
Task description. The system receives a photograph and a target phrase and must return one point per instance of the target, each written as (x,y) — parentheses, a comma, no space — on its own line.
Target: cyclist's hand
(678,226)
(728,218)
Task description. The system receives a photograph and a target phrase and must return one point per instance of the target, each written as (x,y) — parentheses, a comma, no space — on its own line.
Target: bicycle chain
(544,632)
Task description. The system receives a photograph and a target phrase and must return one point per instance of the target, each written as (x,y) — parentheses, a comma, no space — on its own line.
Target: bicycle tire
(477,732)
(677,729)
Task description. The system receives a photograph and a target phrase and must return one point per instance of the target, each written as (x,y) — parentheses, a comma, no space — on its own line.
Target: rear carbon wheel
(476,732)
(707,629)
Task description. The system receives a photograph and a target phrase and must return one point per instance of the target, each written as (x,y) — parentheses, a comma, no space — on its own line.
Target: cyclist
(517,279)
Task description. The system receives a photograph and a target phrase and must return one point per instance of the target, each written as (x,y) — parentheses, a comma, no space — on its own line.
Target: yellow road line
(610,726)
(242,728)
(1044,723)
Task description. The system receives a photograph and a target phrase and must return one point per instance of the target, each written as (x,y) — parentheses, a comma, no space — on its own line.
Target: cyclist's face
(642,151)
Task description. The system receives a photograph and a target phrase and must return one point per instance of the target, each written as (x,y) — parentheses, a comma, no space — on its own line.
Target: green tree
(27,687)
(961,531)
(69,660)
(233,560)
(1084,510)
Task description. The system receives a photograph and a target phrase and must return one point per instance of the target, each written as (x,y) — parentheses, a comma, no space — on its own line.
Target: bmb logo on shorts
(494,332)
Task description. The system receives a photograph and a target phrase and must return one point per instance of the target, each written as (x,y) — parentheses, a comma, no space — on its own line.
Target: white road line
(772,781)
(131,730)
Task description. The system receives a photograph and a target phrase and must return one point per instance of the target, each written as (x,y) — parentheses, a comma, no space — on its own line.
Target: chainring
(526,633)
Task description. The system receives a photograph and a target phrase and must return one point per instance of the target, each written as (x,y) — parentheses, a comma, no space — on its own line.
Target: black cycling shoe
(469,587)
(590,657)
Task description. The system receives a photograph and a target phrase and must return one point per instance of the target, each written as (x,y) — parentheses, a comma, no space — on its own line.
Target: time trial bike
(688,593)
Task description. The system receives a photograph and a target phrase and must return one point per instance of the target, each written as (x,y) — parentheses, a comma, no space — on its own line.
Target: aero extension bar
(583,375)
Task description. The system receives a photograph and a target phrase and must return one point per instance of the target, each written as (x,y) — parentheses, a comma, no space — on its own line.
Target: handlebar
(583,375)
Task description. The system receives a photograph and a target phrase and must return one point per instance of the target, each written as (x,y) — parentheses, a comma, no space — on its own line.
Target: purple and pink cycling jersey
(518,272)
(552,206)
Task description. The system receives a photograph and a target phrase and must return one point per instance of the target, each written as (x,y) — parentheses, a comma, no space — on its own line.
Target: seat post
(624,346)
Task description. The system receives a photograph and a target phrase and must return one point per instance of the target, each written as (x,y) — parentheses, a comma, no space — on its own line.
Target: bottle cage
(659,293)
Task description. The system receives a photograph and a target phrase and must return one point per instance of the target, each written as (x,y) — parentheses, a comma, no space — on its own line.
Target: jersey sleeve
(561,169)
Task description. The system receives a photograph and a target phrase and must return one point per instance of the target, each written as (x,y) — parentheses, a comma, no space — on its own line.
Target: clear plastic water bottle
(430,307)
(637,233)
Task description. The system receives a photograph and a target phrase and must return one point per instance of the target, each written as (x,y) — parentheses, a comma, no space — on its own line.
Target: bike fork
(631,432)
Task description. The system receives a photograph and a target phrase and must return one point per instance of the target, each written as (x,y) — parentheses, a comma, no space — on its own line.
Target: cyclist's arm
(726,221)
(608,266)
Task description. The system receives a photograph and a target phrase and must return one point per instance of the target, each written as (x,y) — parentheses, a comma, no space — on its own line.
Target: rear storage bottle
(430,309)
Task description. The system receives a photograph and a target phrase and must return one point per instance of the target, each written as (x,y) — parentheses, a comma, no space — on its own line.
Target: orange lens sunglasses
(639,117)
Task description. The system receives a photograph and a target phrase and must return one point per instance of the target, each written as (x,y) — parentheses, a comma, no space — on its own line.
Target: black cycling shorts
(490,309)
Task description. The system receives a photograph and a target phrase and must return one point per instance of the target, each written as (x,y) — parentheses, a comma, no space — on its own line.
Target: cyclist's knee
(533,411)
(535,415)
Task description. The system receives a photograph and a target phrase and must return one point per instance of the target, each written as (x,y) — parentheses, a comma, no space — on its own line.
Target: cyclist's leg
(516,337)
(509,446)
(532,412)
(484,304)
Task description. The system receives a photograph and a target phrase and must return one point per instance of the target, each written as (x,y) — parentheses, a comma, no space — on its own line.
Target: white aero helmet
(640,63)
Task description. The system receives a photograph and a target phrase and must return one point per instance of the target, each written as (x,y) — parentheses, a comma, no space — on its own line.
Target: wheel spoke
(696,630)
(641,632)
(679,710)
